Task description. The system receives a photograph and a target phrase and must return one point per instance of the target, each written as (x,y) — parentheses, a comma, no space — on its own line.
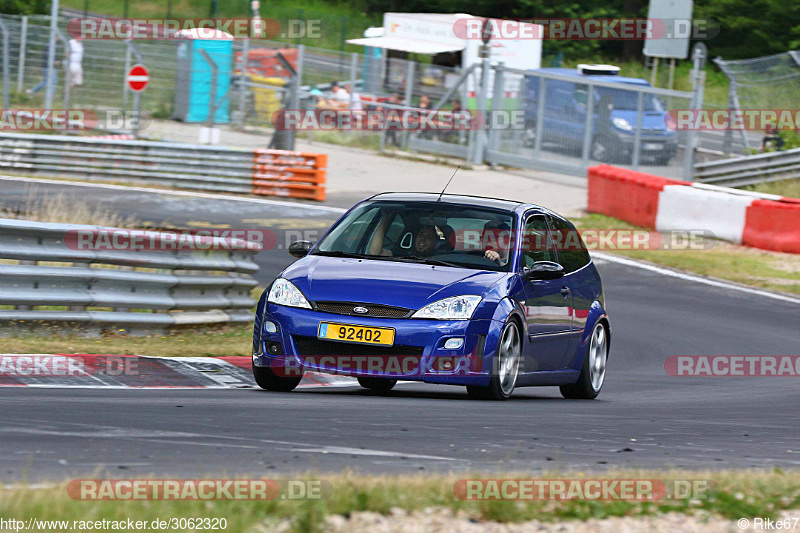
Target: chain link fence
(553,120)
(770,82)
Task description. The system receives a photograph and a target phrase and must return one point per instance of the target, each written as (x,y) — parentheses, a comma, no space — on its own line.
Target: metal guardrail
(190,166)
(44,267)
(749,170)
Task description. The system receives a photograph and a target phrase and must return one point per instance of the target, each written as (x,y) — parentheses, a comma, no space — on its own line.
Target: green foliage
(24,7)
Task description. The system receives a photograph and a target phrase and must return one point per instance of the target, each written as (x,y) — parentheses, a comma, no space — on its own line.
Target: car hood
(408,285)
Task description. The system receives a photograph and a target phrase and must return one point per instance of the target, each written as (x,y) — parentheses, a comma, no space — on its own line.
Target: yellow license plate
(360,334)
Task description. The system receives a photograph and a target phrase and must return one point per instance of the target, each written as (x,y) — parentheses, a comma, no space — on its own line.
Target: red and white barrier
(765,221)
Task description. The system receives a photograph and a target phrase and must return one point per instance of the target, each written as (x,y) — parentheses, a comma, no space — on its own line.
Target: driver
(425,241)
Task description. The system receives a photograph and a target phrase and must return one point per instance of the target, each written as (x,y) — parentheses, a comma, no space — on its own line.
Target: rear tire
(268,380)
(505,367)
(593,371)
(377,384)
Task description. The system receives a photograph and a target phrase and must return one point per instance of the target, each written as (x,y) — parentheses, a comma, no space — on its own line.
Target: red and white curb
(765,221)
(97,371)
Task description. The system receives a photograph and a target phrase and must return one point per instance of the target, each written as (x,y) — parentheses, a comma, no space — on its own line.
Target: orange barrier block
(626,194)
(773,225)
(289,173)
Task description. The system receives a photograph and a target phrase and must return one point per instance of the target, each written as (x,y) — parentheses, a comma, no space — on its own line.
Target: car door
(581,282)
(547,303)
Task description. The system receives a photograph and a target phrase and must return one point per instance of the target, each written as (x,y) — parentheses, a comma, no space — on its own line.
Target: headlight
(453,308)
(283,292)
(622,124)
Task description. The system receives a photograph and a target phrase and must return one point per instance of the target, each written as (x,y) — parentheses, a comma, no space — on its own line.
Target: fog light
(274,348)
(270,327)
(447,365)
(453,344)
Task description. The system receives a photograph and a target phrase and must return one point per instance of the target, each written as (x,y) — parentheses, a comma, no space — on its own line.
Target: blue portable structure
(194,74)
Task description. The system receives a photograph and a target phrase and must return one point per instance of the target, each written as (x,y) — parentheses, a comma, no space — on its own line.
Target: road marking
(324,208)
(690,277)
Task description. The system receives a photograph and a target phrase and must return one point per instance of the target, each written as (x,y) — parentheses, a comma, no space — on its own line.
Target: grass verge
(732,495)
(749,266)
(790,188)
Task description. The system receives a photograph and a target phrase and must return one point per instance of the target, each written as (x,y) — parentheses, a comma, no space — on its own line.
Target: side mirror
(543,270)
(300,248)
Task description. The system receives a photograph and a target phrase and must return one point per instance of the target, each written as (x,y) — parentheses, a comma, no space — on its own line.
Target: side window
(536,244)
(572,252)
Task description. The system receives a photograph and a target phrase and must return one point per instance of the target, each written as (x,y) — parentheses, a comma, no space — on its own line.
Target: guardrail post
(297,81)
(67,73)
(637,136)
(587,133)
(498,101)
(4,29)
(23,42)
(243,86)
(540,111)
(51,56)
(125,88)
(479,135)
(691,142)
(408,94)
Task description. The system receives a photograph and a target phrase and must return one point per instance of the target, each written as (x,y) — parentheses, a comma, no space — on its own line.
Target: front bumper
(418,352)
(652,146)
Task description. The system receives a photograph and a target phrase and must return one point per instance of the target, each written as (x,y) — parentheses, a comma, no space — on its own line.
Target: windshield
(424,232)
(628,100)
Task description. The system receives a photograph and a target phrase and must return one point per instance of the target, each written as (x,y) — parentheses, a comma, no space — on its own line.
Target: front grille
(346,308)
(646,131)
(314,346)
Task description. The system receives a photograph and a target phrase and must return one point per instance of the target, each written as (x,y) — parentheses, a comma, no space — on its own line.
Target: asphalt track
(643,417)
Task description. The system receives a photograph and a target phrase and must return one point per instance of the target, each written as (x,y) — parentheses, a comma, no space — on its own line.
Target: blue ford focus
(484,293)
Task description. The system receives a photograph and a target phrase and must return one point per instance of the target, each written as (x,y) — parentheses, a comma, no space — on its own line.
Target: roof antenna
(448,183)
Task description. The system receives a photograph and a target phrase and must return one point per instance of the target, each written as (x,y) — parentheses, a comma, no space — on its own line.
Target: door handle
(565,291)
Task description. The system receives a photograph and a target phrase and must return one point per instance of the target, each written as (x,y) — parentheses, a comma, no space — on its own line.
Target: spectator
(75,62)
(317,99)
(392,125)
(353,98)
(772,140)
(340,99)
(42,84)
(452,136)
(425,103)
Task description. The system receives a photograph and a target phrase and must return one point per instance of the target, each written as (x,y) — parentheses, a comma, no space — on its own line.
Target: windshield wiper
(430,261)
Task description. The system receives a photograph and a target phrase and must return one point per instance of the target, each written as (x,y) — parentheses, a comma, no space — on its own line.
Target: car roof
(458,199)
(575,73)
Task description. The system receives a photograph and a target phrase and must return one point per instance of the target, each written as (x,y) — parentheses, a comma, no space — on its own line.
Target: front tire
(505,368)
(593,371)
(377,384)
(268,380)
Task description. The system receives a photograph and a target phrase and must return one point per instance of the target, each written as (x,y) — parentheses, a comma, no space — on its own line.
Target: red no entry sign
(138,78)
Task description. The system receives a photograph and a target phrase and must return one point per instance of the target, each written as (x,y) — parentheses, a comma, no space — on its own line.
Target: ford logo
(360,310)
